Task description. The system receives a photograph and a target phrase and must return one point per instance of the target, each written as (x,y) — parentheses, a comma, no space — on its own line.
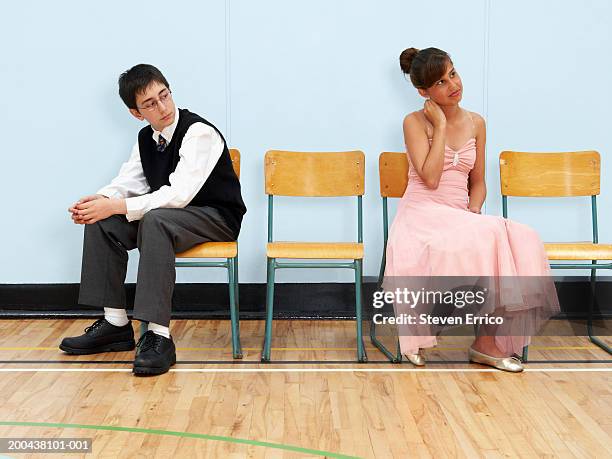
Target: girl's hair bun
(406,59)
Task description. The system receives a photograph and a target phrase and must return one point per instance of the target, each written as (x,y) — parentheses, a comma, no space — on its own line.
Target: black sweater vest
(222,188)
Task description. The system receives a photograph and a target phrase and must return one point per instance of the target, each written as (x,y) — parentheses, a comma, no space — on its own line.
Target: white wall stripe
(228,86)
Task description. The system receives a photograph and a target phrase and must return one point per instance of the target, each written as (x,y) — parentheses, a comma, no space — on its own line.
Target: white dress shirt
(201,149)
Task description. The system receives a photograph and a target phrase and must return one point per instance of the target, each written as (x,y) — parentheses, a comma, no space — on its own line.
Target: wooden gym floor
(314,401)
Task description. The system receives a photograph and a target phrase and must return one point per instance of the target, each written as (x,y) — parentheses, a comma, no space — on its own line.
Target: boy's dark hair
(136,80)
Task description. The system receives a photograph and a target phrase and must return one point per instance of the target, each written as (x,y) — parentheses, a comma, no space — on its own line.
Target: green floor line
(179,434)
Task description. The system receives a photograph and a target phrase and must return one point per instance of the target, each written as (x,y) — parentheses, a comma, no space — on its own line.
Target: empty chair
(316,175)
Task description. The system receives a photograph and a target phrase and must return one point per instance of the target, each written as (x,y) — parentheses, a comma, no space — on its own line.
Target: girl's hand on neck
(434,114)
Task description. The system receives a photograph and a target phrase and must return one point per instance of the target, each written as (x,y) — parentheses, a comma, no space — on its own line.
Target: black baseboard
(292,300)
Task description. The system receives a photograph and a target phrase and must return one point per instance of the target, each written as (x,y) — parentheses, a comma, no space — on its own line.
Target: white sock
(117,317)
(159,329)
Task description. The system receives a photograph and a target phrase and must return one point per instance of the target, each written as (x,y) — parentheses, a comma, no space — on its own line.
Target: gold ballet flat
(511,364)
(416,359)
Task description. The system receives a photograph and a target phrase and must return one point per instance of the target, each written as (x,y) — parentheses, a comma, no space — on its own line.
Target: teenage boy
(178,189)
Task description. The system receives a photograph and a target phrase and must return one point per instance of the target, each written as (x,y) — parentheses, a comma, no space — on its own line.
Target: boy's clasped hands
(93,208)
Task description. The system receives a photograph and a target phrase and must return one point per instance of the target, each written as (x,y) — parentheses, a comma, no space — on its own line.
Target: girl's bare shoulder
(415,120)
(479,121)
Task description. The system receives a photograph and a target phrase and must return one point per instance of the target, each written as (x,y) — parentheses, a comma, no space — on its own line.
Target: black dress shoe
(155,354)
(101,336)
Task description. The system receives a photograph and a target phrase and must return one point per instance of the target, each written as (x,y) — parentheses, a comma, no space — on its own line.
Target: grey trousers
(158,236)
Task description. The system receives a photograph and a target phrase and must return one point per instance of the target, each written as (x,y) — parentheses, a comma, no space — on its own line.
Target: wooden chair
(224,250)
(317,175)
(393,174)
(560,175)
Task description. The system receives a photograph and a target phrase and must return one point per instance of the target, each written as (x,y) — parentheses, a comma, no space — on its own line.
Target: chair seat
(211,250)
(326,250)
(578,251)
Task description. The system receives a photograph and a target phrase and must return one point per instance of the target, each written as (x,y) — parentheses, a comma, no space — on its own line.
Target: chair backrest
(393,172)
(235,157)
(549,174)
(315,174)
(293,173)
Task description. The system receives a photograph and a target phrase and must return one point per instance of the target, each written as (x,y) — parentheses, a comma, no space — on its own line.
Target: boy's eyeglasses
(152,105)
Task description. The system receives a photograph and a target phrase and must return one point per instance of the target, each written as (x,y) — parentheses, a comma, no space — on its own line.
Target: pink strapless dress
(433,234)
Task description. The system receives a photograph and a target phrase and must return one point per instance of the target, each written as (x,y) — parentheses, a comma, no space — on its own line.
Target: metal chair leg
(361,353)
(144,326)
(265,355)
(382,348)
(237,284)
(231,271)
(398,351)
(378,344)
(594,339)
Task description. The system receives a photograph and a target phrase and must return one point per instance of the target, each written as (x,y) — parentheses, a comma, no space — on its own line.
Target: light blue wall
(314,75)
(549,90)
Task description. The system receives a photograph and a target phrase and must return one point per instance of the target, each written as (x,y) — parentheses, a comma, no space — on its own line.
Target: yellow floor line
(267,369)
(547,348)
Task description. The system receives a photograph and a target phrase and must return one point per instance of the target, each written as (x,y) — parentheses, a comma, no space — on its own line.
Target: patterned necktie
(161,144)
